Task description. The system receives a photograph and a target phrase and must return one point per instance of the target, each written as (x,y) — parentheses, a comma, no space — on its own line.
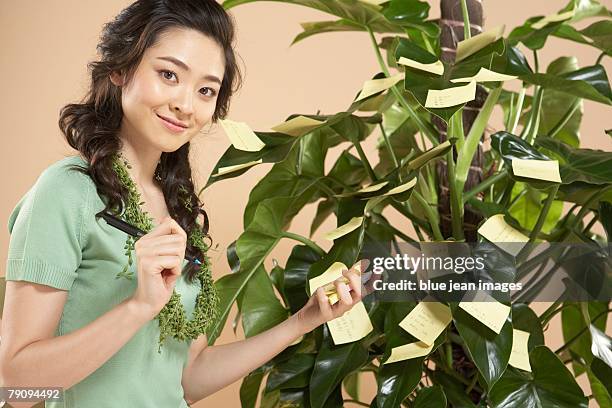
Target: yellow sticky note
(444,98)
(352,225)
(427,320)
(537,169)
(352,326)
(408,351)
(331,274)
(487,310)
(241,136)
(435,67)
(485,75)
(553,19)
(519,357)
(297,126)
(229,169)
(476,43)
(496,230)
(401,188)
(377,85)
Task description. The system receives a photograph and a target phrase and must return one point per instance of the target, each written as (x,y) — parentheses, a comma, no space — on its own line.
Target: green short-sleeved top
(56,240)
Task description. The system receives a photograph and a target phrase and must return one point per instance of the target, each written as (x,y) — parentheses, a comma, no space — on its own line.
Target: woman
(79,313)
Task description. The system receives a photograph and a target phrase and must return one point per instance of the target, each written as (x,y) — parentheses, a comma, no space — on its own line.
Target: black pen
(132,230)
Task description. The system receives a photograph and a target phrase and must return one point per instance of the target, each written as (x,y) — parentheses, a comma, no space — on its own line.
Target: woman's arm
(218,366)
(31,357)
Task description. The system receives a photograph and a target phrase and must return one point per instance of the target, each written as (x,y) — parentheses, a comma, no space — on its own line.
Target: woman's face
(173,92)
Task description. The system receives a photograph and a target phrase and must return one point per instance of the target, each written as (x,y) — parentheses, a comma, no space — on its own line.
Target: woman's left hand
(318,309)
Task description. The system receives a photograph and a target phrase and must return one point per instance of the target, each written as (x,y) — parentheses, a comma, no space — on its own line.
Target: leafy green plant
(468,367)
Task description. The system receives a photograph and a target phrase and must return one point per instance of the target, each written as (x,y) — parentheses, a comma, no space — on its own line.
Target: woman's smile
(171,124)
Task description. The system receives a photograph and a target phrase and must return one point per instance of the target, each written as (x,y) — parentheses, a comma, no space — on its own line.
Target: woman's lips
(171,126)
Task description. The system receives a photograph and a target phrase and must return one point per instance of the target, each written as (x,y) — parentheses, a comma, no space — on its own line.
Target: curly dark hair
(92,126)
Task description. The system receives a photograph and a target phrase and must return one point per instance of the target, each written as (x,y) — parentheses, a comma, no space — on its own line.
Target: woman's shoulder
(59,185)
(67,170)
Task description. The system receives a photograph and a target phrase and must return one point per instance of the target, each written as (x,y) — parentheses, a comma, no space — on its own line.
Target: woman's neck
(143,163)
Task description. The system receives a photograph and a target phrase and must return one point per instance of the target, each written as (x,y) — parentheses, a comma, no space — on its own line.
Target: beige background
(45,47)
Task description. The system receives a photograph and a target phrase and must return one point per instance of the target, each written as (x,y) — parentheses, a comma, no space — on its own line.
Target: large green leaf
(397,380)
(411,14)
(296,275)
(600,392)
(454,390)
(430,397)
(332,364)
(592,166)
(252,247)
(531,37)
(293,373)
(575,165)
(527,207)
(258,304)
(250,387)
(575,329)
(293,176)
(325,208)
(588,83)
(586,8)
(523,318)
(489,351)
(277,146)
(605,217)
(536,38)
(597,35)
(401,132)
(354,11)
(549,385)
(419,82)
(318,27)
(555,105)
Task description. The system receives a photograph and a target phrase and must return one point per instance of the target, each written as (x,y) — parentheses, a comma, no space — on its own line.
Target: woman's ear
(117,78)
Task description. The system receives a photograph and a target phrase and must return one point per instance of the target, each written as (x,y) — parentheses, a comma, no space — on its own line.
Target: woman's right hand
(159,256)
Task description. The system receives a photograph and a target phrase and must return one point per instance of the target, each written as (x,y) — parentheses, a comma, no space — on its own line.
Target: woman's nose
(182,102)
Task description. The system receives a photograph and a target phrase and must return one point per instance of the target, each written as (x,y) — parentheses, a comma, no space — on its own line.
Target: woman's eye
(211,92)
(167,74)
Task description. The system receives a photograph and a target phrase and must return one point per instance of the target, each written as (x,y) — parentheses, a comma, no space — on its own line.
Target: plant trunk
(451,24)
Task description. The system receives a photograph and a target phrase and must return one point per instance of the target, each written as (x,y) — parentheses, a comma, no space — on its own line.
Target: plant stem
(389,147)
(552,311)
(600,58)
(484,185)
(519,109)
(456,201)
(364,160)
(431,216)
(467,33)
(566,117)
(466,155)
(590,225)
(425,127)
(448,353)
(472,384)
(310,244)
(544,213)
(408,214)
